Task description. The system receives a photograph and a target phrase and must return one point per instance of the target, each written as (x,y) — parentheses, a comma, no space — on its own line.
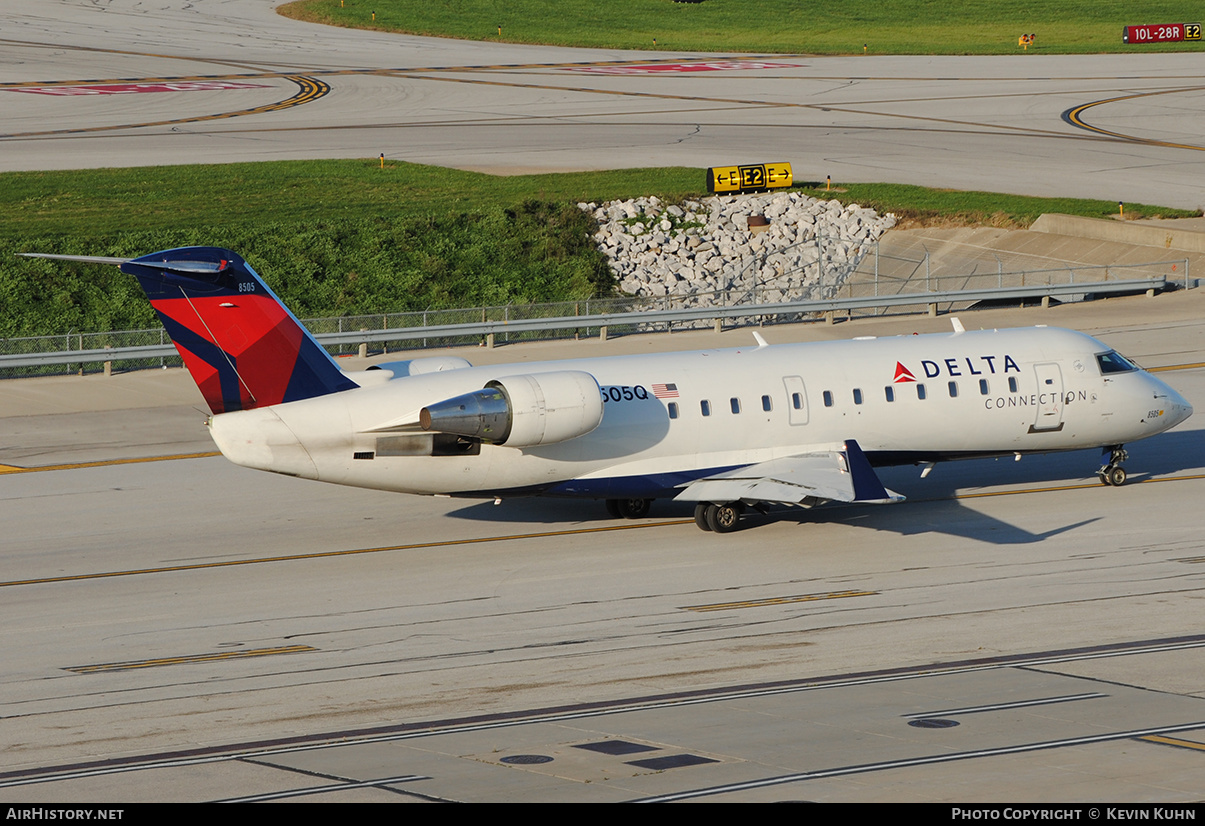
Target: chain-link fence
(90,342)
(871,274)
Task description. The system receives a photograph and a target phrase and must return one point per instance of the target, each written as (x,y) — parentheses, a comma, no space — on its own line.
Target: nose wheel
(1111,472)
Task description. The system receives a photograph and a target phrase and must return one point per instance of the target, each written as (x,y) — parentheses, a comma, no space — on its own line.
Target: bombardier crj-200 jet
(797,424)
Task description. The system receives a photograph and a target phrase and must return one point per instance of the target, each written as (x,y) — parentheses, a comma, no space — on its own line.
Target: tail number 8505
(624,393)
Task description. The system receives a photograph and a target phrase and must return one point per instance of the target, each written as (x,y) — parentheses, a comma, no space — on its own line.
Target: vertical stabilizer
(241,344)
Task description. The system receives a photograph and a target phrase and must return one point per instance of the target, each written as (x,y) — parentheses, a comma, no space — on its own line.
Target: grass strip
(784,26)
(337,238)
(922,206)
(228,196)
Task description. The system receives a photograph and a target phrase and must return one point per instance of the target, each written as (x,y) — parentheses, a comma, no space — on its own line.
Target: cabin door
(1050,397)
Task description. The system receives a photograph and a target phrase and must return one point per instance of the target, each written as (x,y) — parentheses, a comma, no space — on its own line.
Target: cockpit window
(1114,362)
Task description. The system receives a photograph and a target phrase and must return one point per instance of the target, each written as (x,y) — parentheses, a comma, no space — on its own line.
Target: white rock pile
(702,253)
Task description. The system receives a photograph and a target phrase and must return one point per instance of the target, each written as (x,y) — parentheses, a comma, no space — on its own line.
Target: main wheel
(634,508)
(701,515)
(724,518)
(613,508)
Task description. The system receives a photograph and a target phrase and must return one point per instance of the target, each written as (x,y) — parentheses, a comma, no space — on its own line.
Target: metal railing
(876,286)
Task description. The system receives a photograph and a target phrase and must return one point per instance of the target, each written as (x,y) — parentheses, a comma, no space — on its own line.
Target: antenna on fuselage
(957,322)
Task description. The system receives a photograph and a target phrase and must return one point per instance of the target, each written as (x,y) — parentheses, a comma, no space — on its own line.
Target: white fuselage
(904,399)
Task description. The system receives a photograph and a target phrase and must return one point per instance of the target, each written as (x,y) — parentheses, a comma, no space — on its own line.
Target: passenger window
(953,389)
(768,405)
(735,404)
(920,392)
(705,407)
(1012,384)
(889,392)
(673,410)
(857,395)
(983,387)
(828,398)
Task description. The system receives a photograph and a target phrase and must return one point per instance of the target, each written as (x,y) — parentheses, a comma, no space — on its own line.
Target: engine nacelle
(522,411)
(417,367)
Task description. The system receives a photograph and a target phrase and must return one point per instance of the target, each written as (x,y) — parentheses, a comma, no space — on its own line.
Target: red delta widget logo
(965,366)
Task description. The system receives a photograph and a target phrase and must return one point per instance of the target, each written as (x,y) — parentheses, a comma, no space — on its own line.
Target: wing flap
(807,479)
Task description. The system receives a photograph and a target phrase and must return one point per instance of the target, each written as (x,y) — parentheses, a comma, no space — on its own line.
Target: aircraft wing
(807,479)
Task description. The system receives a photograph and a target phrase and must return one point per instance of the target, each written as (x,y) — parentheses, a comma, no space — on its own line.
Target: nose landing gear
(1111,472)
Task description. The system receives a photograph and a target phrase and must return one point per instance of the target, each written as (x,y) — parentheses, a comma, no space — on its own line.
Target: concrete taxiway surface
(177,628)
(186,629)
(126,84)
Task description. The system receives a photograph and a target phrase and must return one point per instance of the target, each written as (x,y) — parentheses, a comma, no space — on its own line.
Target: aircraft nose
(1177,407)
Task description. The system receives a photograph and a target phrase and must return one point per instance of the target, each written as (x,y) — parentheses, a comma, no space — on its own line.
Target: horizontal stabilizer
(83,259)
(184,267)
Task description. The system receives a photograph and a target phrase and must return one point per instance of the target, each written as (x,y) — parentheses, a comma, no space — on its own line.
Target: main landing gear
(723,518)
(629,508)
(1111,472)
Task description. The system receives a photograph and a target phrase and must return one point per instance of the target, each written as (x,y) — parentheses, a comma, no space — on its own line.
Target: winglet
(867,487)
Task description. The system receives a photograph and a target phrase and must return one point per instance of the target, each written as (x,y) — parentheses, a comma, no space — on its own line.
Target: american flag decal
(665,391)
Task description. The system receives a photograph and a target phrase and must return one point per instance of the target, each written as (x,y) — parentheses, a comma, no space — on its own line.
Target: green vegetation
(330,237)
(918,205)
(228,196)
(348,238)
(535,251)
(784,26)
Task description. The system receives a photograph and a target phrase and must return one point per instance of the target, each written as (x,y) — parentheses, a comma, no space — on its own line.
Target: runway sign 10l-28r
(1163,33)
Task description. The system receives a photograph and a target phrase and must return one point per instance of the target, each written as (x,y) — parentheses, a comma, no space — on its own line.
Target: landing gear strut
(723,518)
(1111,472)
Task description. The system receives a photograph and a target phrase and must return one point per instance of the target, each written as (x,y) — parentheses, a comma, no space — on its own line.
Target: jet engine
(522,411)
(417,367)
